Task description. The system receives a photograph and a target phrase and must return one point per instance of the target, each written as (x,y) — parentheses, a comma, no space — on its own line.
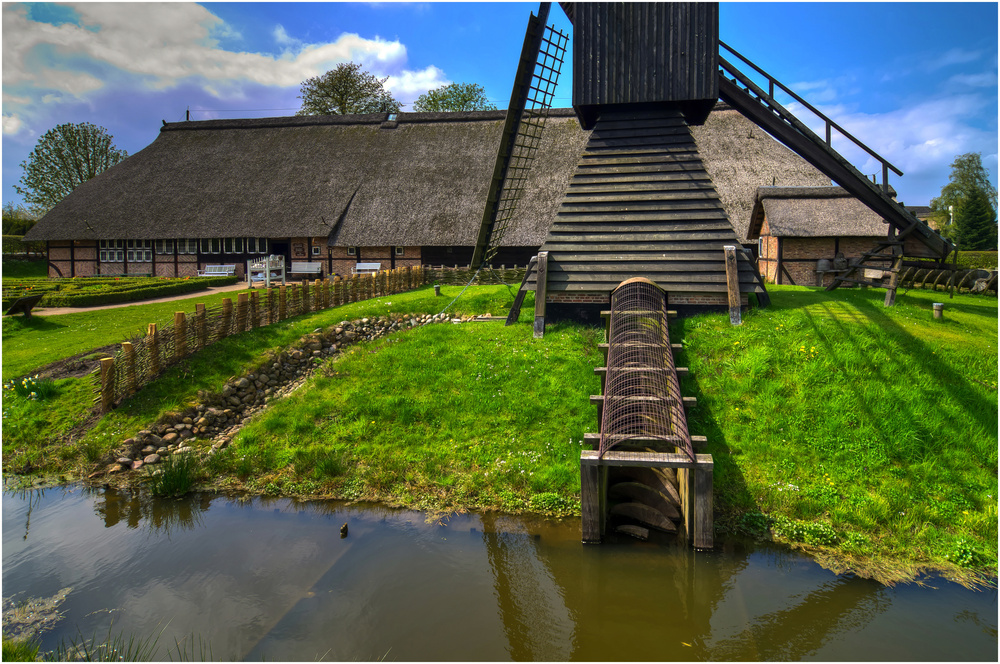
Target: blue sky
(915,81)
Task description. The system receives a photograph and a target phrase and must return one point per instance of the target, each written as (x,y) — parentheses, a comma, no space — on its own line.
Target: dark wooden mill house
(641,229)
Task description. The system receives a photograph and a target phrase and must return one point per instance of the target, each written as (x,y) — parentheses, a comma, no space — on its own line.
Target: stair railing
(830,125)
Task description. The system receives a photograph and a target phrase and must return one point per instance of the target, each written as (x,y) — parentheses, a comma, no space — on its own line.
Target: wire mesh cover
(642,398)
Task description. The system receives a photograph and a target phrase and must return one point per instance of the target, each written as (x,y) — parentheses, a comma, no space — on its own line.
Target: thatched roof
(740,157)
(419,181)
(813,212)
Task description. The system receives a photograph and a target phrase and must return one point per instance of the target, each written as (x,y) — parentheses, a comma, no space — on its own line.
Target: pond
(274,579)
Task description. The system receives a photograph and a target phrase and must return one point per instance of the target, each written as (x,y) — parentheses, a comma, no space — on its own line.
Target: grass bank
(866,435)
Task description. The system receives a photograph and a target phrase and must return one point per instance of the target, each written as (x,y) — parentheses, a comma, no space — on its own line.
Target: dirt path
(59,311)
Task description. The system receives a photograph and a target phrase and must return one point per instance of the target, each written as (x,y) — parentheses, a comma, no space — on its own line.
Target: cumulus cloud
(921,139)
(12,125)
(415,83)
(164,44)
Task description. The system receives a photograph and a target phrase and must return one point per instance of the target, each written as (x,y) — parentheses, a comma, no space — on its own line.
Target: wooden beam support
(733,285)
(593,440)
(644,459)
(541,281)
(593,501)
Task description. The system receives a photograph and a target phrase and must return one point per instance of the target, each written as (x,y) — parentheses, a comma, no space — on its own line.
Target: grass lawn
(868,435)
(25,269)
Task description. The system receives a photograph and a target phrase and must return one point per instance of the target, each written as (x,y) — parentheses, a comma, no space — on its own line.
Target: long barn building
(339,190)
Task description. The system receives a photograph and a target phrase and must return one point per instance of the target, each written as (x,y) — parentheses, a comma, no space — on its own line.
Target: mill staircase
(759,105)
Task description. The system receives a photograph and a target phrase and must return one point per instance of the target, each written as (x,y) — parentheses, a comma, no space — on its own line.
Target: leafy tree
(454,97)
(16,219)
(64,158)
(970,192)
(346,89)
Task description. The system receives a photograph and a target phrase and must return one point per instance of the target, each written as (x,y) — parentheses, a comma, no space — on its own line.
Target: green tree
(346,89)
(64,158)
(454,97)
(17,220)
(976,223)
(969,193)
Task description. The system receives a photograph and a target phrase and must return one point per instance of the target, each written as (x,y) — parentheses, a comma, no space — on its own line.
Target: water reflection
(272,579)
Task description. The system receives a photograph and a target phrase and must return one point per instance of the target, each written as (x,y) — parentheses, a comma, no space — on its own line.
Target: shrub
(175,476)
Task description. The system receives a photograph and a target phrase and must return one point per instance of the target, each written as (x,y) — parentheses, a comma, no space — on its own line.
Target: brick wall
(581,297)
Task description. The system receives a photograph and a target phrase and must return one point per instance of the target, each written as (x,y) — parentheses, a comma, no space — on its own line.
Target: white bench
(306,267)
(217,271)
(366,268)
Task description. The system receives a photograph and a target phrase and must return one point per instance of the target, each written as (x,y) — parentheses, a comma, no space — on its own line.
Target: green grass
(20,650)
(863,433)
(49,436)
(444,417)
(880,424)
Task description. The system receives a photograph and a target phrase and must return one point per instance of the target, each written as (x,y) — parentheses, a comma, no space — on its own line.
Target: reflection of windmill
(641,202)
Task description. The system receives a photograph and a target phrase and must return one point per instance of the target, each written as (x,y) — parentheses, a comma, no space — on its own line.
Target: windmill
(641,202)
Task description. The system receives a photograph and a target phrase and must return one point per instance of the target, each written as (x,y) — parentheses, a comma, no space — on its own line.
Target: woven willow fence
(142,359)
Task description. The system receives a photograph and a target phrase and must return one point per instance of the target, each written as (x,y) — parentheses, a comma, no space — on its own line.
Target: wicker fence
(142,359)
(460,276)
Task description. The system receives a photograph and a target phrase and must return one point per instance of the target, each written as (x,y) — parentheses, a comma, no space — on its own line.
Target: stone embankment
(210,425)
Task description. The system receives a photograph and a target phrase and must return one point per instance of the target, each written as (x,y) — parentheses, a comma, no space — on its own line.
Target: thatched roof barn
(421,180)
(812,212)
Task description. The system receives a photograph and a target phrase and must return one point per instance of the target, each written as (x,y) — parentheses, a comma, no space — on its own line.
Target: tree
(346,89)
(64,158)
(973,199)
(16,219)
(454,97)
(976,223)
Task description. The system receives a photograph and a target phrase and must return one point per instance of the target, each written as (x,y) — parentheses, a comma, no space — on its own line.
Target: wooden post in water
(593,501)
(733,285)
(107,384)
(541,284)
(703,488)
(128,352)
(180,335)
(153,343)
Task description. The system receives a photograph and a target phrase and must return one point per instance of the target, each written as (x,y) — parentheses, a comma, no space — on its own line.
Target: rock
(187,420)
(125,461)
(161,451)
(136,465)
(187,433)
(170,438)
(151,459)
(243,383)
(148,449)
(234,401)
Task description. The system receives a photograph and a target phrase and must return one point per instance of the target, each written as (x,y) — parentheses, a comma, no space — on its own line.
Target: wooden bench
(366,268)
(306,267)
(217,271)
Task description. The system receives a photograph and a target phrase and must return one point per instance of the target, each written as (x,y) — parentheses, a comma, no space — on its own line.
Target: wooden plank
(733,286)
(598,399)
(644,459)
(638,207)
(577,188)
(704,526)
(650,195)
(603,253)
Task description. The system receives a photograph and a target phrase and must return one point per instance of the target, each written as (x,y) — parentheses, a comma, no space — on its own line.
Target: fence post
(180,335)
(355,284)
(305,298)
(254,310)
(270,306)
(129,354)
(282,302)
(107,384)
(227,317)
(733,285)
(153,342)
(201,325)
(242,305)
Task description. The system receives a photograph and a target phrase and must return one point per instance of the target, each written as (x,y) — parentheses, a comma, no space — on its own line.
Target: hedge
(981,260)
(91,292)
(14,244)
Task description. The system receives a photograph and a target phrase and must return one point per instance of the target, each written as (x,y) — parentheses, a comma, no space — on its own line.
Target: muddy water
(274,580)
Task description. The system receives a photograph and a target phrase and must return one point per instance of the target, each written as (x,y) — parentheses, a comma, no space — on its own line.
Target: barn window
(316,251)
(352,251)
(400,251)
(164,246)
(211,245)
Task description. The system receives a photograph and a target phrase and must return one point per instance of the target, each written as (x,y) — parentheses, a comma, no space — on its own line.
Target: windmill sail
(534,87)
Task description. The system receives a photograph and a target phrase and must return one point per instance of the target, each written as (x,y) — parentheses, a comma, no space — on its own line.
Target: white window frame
(164,246)
(400,251)
(233,245)
(211,245)
(316,250)
(352,251)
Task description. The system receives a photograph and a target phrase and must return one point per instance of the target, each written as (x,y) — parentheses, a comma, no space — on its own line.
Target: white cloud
(954,56)
(412,84)
(164,44)
(12,125)
(921,140)
(984,80)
